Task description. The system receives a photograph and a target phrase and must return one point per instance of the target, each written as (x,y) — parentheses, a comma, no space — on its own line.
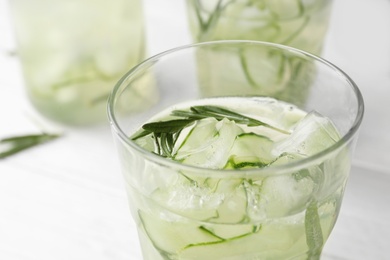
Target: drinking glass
(73,52)
(278,211)
(298,23)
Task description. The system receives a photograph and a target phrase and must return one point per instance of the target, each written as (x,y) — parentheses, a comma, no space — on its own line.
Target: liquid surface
(225,133)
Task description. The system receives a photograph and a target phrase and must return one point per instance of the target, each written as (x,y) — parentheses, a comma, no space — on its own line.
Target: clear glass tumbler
(282,209)
(298,23)
(72,53)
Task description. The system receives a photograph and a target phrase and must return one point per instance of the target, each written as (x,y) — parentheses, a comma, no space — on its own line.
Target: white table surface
(66,199)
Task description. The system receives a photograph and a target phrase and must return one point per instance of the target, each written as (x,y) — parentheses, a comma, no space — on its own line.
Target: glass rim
(273,169)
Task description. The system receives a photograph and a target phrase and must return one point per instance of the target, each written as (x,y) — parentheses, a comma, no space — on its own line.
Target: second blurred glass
(298,23)
(72,53)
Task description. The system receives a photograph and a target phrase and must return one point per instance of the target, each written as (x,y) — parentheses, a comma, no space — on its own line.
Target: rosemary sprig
(219,113)
(15,144)
(314,236)
(166,133)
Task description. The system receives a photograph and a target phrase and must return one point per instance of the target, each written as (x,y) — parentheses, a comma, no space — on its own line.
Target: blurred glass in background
(73,52)
(298,23)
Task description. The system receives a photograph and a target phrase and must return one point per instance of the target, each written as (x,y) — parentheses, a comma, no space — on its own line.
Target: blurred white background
(66,200)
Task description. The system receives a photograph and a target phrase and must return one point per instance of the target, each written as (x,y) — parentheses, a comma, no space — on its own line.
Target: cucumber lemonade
(277,216)
(239,160)
(73,52)
(301,24)
(298,23)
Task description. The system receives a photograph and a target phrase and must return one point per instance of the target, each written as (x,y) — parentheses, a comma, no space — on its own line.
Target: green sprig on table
(15,144)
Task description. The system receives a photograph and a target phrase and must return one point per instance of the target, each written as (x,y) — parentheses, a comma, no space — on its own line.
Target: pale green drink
(201,216)
(298,23)
(73,52)
(219,171)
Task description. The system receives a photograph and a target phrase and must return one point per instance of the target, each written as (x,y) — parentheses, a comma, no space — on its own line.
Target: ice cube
(313,134)
(191,201)
(283,195)
(250,150)
(279,196)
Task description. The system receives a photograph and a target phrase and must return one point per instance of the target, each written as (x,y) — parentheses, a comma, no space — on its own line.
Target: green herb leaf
(219,113)
(170,126)
(314,237)
(165,133)
(13,145)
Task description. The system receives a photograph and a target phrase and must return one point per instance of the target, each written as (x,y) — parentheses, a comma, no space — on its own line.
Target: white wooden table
(66,199)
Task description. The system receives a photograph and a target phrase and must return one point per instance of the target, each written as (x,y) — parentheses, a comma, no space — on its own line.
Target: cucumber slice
(170,237)
(266,70)
(186,239)
(208,144)
(250,150)
(259,242)
(233,208)
(233,247)
(196,139)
